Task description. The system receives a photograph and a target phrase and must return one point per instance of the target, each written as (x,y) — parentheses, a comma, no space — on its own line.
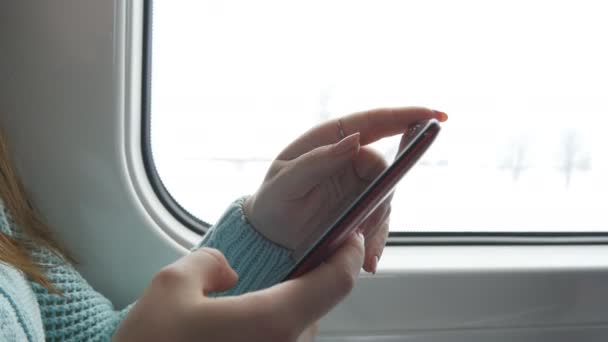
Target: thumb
(318,291)
(313,167)
(205,270)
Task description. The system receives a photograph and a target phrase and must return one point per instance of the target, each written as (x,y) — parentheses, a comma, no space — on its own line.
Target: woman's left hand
(322,171)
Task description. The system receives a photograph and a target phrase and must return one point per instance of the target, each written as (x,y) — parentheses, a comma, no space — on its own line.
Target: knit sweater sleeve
(82,314)
(19,312)
(11,328)
(259,262)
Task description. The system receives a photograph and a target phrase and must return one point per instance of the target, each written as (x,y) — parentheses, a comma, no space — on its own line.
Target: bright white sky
(241,79)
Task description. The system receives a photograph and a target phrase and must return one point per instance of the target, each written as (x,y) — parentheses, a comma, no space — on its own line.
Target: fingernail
(375,264)
(234,274)
(347,144)
(440,115)
(360,236)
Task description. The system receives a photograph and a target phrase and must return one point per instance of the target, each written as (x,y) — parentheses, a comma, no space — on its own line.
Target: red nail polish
(440,115)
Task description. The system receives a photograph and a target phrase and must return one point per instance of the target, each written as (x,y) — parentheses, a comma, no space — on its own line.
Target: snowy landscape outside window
(525,84)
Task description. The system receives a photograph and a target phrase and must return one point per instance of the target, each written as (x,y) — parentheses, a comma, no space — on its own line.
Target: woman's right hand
(175,306)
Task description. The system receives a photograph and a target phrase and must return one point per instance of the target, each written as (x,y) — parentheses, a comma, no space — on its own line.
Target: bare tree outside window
(573,156)
(516,161)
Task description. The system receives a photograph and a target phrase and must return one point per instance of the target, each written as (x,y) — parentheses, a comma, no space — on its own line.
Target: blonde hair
(15,251)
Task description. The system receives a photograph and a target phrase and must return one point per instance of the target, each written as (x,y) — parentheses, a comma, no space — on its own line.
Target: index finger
(372,124)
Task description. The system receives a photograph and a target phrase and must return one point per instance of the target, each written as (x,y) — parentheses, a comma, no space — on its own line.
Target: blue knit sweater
(28,312)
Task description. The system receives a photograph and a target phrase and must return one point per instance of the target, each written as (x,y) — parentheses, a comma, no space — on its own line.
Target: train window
(525,83)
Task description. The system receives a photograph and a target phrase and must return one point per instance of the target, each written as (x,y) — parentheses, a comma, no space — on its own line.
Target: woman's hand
(174,307)
(321,172)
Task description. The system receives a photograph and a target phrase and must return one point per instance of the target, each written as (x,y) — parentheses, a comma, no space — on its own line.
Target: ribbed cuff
(259,262)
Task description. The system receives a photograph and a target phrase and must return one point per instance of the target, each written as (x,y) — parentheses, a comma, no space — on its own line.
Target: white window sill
(452,288)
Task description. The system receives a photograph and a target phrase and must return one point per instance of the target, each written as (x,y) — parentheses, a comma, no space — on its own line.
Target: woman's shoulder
(19,313)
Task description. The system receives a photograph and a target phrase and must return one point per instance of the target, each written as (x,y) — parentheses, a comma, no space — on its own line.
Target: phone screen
(415,142)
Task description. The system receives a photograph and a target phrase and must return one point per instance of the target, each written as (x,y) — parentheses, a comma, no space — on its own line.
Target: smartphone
(415,142)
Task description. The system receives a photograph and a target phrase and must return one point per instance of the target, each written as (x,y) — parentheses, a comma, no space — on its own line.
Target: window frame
(168,201)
